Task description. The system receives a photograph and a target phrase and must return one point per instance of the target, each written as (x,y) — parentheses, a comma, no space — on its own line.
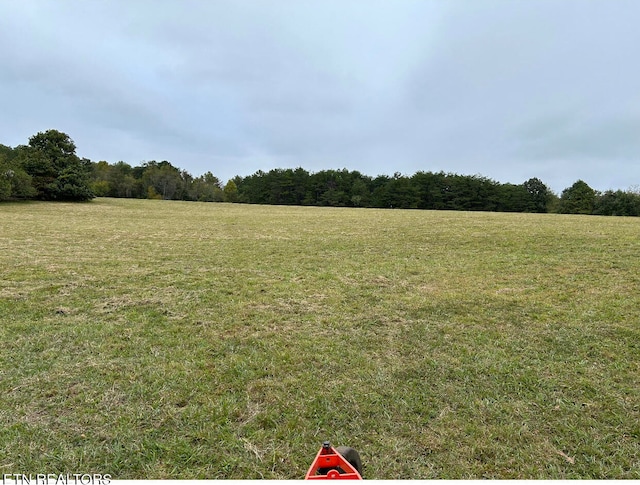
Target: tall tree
(206,188)
(56,171)
(230,192)
(578,199)
(123,181)
(540,194)
(162,179)
(360,193)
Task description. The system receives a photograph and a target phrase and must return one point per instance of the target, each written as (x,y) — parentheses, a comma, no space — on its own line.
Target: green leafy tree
(206,188)
(428,186)
(100,179)
(360,193)
(57,172)
(123,181)
(379,193)
(165,179)
(578,199)
(230,192)
(101,188)
(15,183)
(72,183)
(539,193)
(618,203)
(514,198)
(401,193)
(184,187)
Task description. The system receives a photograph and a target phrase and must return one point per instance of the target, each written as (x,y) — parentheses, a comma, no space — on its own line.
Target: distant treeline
(428,190)
(423,190)
(48,169)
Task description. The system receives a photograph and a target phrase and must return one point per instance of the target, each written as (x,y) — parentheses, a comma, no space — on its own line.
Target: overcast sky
(508,89)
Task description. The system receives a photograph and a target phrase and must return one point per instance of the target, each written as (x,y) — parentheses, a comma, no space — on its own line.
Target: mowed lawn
(158,339)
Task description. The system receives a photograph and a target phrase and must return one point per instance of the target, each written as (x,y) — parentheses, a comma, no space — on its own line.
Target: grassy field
(157,339)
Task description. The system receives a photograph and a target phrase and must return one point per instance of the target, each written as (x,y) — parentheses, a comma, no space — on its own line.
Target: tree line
(423,190)
(428,190)
(49,169)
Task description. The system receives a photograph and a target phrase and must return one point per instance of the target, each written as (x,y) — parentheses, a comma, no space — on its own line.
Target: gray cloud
(507,89)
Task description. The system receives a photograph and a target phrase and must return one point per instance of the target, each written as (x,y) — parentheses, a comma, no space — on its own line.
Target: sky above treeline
(508,89)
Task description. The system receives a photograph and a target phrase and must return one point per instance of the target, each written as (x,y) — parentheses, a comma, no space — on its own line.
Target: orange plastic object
(333,463)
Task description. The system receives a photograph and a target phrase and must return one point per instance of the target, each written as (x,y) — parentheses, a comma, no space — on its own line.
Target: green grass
(156,339)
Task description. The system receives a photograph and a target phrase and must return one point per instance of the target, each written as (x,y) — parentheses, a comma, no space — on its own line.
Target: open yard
(157,339)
